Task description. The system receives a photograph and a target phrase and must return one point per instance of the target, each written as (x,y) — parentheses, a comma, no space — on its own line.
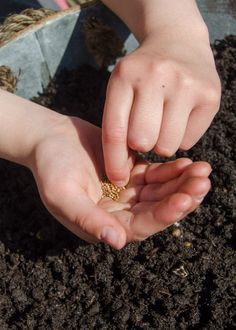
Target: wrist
(23,124)
(145,18)
(174,33)
(54,125)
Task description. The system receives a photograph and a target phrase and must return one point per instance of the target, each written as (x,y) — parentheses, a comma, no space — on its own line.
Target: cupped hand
(161,97)
(68,167)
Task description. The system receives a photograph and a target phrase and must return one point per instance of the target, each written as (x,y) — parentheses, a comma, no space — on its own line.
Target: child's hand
(66,159)
(161,97)
(67,164)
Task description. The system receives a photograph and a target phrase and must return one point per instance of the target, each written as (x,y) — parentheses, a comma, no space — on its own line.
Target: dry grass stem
(19,22)
(8,81)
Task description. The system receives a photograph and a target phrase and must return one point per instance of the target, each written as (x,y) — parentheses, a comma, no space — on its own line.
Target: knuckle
(114,135)
(185,80)
(122,68)
(155,68)
(163,151)
(186,146)
(213,95)
(116,174)
(159,68)
(140,144)
(164,67)
(82,223)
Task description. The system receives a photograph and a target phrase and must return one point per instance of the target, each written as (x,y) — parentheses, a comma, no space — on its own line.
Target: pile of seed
(110,190)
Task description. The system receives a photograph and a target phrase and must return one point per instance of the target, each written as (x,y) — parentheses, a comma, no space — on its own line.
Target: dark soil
(52,280)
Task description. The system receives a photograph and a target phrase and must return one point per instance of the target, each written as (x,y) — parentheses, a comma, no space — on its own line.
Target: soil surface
(52,280)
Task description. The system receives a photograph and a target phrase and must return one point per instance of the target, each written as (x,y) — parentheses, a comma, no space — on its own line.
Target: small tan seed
(110,190)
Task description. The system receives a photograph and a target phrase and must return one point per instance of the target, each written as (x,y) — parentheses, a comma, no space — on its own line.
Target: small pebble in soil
(188,244)
(181,272)
(176,232)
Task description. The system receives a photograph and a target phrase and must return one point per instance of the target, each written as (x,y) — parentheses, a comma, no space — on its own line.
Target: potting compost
(182,278)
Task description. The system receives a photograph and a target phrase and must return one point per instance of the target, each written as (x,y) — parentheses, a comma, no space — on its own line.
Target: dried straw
(8,81)
(19,22)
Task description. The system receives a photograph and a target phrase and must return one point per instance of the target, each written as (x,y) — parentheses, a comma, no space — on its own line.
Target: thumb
(85,219)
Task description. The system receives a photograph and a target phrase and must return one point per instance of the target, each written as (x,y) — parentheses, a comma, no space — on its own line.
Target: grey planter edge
(38,54)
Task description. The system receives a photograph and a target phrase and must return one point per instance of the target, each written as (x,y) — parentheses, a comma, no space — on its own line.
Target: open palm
(68,169)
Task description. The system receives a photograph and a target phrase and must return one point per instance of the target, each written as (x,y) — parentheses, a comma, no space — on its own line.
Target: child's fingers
(145,119)
(173,126)
(158,216)
(194,186)
(206,107)
(118,103)
(196,126)
(161,173)
(198,172)
(196,169)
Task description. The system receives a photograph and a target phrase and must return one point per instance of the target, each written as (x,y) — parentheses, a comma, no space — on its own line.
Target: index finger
(117,109)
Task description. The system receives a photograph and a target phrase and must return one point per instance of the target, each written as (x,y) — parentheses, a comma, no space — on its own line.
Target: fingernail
(110,236)
(120,183)
(199,199)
